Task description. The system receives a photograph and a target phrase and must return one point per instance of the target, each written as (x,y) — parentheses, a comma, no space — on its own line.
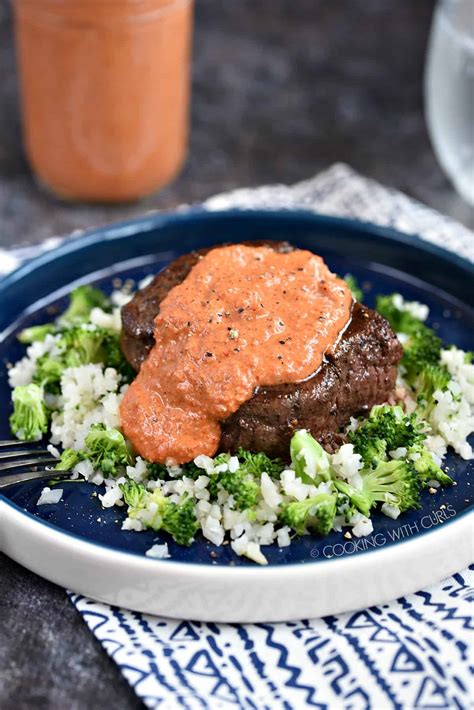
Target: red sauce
(243,317)
(105,93)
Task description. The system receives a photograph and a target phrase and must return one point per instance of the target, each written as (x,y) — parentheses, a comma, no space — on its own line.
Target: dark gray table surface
(281,89)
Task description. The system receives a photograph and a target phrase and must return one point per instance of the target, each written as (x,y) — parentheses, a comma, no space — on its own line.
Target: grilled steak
(359,373)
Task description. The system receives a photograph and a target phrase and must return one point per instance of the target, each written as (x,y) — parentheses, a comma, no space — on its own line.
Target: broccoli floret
(371,449)
(239,484)
(310,461)
(421,349)
(357,292)
(82,345)
(386,429)
(392,424)
(423,371)
(79,345)
(107,449)
(29,420)
(133,493)
(401,321)
(345,507)
(179,520)
(69,458)
(394,482)
(190,470)
(36,333)
(82,300)
(389,424)
(48,373)
(358,500)
(113,357)
(316,514)
(256,464)
(157,471)
(427,468)
(431,379)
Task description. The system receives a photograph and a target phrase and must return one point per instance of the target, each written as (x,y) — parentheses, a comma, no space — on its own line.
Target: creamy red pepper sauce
(243,317)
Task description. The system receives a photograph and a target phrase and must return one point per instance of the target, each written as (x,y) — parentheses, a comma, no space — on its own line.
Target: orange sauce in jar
(243,317)
(105,93)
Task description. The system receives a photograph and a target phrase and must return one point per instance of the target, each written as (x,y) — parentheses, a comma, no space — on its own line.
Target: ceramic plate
(79,545)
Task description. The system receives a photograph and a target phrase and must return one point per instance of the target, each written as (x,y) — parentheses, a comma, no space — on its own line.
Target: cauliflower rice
(90,394)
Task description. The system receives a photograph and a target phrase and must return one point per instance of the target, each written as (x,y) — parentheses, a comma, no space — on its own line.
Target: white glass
(449,92)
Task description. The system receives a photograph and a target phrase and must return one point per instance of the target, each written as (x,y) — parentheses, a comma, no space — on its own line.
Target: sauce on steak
(357,373)
(245,316)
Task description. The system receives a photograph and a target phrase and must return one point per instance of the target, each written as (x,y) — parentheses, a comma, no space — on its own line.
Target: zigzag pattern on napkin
(411,653)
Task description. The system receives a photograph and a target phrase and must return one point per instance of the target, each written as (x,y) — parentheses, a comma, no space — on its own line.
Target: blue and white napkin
(414,653)
(411,653)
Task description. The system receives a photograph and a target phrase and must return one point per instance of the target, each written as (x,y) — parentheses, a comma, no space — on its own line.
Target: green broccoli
(345,507)
(133,493)
(400,320)
(395,482)
(428,381)
(36,333)
(69,458)
(388,424)
(256,464)
(177,519)
(310,461)
(82,300)
(48,373)
(358,500)
(79,345)
(239,484)
(107,449)
(30,418)
(82,345)
(423,371)
(426,467)
(422,348)
(157,471)
(372,450)
(357,292)
(316,514)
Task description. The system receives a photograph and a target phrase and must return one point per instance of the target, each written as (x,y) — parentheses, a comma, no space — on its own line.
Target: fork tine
(24,452)
(23,477)
(7,443)
(9,465)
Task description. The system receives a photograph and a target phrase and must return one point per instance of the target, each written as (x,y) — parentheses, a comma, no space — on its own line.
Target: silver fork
(18,455)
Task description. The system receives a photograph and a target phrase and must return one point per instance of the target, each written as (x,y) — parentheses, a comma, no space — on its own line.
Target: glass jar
(105,93)
(449,92)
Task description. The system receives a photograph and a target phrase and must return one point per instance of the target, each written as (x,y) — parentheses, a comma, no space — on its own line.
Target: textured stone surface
(282,89)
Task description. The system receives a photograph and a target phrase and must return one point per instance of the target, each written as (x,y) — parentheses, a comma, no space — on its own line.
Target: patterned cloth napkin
(411,653)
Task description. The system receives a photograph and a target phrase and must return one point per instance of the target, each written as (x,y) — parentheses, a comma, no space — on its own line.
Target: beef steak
(359,373)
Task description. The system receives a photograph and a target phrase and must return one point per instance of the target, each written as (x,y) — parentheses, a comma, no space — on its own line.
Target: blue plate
(382,260)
